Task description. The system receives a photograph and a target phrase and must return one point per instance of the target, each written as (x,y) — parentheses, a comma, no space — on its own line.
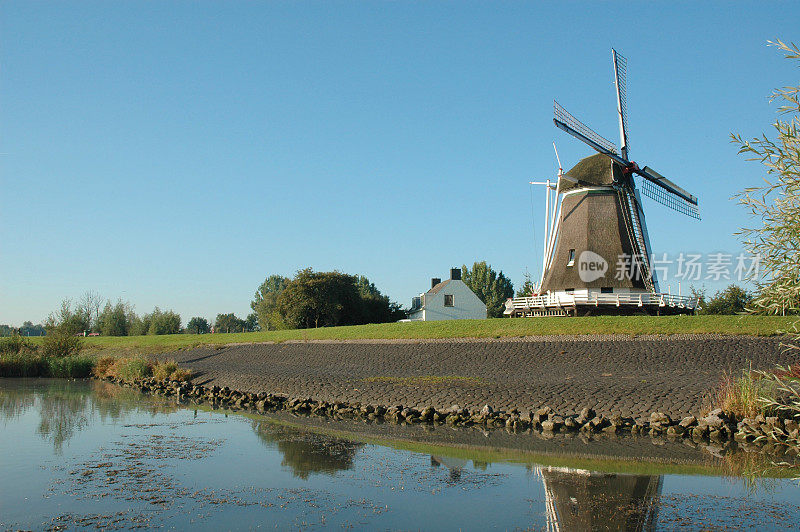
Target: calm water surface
(90,454)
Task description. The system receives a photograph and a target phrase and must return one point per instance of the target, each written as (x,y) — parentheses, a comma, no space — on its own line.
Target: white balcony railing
(563,300)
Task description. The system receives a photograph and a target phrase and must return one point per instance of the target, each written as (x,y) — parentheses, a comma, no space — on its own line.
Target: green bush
(59,344)
(732,300)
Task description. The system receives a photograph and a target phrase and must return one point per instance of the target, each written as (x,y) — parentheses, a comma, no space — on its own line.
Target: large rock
(660,419)
(712,421)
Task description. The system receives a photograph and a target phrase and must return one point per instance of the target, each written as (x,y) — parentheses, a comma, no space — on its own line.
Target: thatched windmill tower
(597,254)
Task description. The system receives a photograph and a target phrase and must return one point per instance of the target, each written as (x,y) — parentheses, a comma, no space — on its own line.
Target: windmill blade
(658,179)
(620,75)
(663,191)
(568,123)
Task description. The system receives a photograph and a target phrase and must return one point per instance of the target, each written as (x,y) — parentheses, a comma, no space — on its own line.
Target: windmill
(596,221)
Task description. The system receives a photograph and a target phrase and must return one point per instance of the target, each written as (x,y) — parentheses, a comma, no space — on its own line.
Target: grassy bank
(494,328)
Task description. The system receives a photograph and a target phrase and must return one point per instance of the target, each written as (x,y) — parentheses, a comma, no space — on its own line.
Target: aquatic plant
(73,366)
(23,364)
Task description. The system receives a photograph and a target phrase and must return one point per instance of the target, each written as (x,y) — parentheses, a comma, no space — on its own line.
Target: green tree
(732,300)
(139,325)
(162,322)
(67,320)
(700,295)
(115,320)
(88,307)
(228,323)
(527,286)
(376,307)
(320,299)
(491,287)
(265,300)
(198,325)
(776,204)
(29,329)
(251,322)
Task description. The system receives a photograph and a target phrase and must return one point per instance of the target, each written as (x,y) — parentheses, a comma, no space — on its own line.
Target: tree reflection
(67,407)
(306,452)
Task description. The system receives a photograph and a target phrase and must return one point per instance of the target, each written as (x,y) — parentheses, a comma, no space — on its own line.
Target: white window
(448,300)
(571,259)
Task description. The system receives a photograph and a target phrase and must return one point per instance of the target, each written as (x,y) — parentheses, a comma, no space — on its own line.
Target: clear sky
(177,153)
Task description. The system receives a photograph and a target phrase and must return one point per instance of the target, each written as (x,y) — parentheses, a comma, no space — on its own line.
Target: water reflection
(306,453)
(577,499)
(66,407)
(455,465)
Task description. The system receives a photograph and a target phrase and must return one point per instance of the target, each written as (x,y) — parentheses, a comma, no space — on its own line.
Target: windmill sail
(634,222)
(578,129)
(620,73)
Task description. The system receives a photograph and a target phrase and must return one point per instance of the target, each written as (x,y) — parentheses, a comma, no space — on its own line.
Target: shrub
(13,344)
(102,365)
(60,344)
(131,368)
(181,375)
(163,370)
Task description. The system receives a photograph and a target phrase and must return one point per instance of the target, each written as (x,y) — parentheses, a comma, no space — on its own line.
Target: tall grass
(73,366)
(26,364)
(745,396)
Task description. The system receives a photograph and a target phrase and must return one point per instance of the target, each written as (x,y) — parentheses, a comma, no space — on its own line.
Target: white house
(448,300)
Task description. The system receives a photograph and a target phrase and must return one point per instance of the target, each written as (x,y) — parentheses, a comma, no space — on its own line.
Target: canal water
(87,454)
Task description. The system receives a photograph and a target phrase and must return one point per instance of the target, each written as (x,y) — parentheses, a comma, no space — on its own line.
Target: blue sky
(177,153)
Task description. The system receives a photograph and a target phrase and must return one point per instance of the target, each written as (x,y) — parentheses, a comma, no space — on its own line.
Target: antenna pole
(549,185)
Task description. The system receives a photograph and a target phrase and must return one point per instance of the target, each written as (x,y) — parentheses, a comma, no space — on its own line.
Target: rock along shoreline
(766,434)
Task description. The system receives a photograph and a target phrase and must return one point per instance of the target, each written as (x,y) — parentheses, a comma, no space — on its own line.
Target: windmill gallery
(595,219)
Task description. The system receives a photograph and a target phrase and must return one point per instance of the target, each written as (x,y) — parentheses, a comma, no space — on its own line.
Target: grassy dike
(492,328)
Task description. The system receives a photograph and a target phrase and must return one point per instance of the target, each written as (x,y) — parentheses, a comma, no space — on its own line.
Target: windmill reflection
(305,452)
(455,465)
(577,499)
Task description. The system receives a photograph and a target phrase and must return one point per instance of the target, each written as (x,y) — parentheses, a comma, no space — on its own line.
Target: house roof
(438,287)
